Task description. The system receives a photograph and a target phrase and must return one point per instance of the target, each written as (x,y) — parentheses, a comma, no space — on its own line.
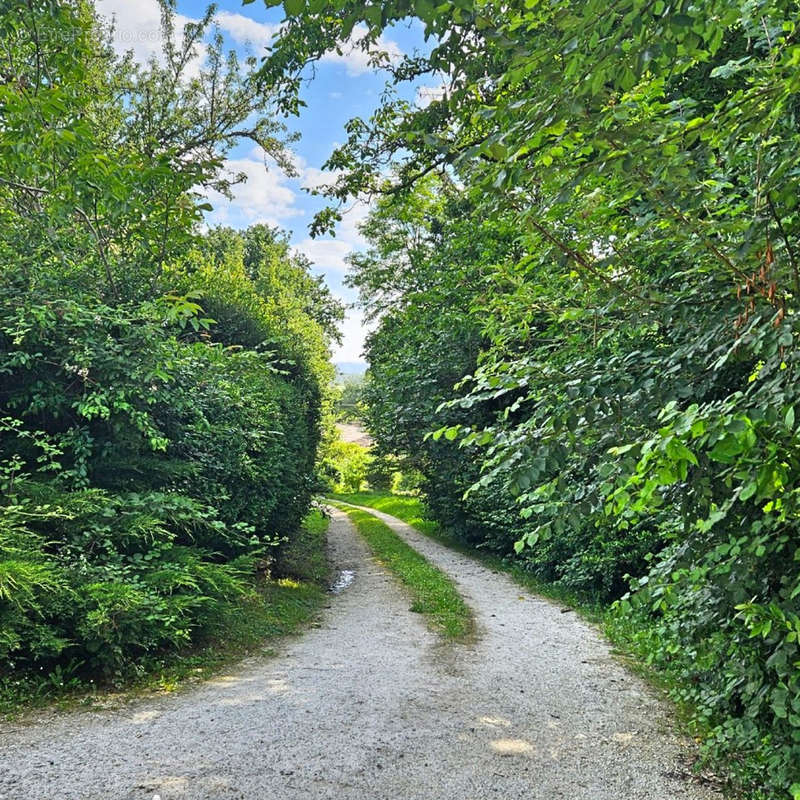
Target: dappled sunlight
(278,686)
(495,722)
(506,745)
(178,785)
(512,747)
(171,783)
(241,700)
(259,691)
(225,680)
(141,717)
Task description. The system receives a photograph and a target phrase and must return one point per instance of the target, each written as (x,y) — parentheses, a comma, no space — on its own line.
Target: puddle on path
(344,579)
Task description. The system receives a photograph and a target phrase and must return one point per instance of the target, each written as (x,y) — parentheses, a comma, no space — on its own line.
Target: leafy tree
(349,394)
(633,389)
(163,390)
(279,274)
(112,156)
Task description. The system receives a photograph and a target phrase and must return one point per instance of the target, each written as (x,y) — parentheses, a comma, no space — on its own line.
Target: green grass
(303,558)
(412,511)
(433,594)
(405,507)
(276,608)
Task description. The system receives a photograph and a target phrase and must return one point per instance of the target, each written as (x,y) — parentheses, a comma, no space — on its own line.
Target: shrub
(343,466)
(380,472)
(146,478)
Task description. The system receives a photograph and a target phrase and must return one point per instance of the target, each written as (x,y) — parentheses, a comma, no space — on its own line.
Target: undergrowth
(274,607)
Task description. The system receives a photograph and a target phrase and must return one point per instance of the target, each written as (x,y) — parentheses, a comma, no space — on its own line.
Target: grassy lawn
(433,594)
(277,607)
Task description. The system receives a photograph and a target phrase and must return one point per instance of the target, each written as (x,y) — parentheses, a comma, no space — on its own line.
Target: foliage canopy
(586,267)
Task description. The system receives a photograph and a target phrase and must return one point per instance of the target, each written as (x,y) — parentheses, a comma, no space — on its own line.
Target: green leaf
(679,452)
(451,433)
(373,16)
(748,490)
(726,449)
(778,703)
(425,10)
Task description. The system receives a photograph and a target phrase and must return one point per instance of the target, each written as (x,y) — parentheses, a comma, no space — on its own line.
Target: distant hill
(350,367)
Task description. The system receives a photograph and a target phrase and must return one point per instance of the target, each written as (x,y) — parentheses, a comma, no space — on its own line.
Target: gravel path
(369,705)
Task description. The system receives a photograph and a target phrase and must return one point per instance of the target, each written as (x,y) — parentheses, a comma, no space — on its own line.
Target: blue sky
(343,87)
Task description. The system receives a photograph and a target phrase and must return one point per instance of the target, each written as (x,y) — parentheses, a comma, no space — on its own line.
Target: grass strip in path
(412,511)
(619,631)
(433,594)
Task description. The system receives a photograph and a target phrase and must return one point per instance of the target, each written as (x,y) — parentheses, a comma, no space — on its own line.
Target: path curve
(369,705)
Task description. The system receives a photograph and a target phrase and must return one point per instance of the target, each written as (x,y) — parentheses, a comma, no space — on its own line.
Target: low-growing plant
(344,466)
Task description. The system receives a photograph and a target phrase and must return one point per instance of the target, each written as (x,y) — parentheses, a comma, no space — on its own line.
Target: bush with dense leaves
(146,478)
(344,466)
(162,387)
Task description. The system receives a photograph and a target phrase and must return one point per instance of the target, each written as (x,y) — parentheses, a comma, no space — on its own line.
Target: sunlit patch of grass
(408,508)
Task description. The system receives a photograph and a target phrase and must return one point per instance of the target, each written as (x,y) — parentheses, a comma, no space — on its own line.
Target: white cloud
(357,61)
(329,259)
(314,178)
(351,219)
(262,197)
(428,94)
(327,255)
(353,331)
(244,30)
(137,28)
